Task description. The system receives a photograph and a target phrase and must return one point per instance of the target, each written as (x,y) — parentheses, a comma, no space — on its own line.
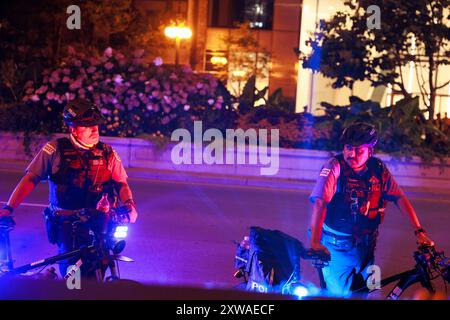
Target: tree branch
(445,84)
(422,89)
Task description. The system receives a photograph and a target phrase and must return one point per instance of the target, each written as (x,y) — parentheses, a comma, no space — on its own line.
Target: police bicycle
(430,264)
(268,261)
(269,252)
(109,231)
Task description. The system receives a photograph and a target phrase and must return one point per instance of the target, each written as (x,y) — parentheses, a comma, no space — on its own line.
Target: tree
(34,36)
(246,57)
(345,49)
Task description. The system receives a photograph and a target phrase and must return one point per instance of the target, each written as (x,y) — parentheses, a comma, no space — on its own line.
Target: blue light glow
(301,292)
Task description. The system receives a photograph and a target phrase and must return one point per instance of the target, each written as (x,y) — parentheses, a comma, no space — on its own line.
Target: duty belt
(356,239)
(66,213)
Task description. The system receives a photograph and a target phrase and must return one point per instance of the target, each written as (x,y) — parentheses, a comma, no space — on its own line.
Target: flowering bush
(135,97)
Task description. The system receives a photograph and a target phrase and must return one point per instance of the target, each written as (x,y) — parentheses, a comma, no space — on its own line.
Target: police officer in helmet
(349,199)
(79,169)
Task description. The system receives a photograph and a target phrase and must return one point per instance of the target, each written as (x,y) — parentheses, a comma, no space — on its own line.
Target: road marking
(224,185)
(31,204)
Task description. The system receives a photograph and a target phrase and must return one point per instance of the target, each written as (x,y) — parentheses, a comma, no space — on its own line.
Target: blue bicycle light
(120,232)
(300,291)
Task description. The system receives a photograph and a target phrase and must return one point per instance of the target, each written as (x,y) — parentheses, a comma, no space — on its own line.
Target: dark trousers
(72,237)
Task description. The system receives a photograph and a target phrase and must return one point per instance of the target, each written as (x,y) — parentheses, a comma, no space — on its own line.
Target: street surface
(185,233)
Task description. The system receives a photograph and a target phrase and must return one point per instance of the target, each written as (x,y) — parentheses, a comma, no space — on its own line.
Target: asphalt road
(185,232)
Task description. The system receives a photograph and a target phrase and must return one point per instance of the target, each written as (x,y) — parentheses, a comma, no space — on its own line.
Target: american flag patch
(49,149)
(325,172)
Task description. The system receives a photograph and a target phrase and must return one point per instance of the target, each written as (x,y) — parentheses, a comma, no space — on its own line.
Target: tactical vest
(357,207)
(82,177)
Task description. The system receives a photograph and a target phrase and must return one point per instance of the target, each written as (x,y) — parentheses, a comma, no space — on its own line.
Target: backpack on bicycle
(271,262)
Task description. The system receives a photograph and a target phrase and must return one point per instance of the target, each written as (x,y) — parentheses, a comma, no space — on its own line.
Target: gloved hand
(131,206)
(320,249)
(4,213)
(423,240)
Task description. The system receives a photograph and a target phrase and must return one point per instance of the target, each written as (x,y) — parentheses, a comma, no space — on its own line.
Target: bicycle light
(300,291)
(120,232)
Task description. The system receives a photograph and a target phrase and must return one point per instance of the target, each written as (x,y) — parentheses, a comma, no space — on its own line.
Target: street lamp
(178,32)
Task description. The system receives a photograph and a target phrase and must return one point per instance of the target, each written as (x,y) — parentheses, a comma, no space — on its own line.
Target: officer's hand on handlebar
(132,213)
(320,249)
(4,213)
(423,240)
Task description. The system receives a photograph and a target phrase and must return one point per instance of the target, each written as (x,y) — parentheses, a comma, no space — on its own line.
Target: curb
(195,178)
(191,178)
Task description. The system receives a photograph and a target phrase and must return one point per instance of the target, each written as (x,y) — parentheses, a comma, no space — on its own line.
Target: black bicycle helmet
(360,133)
(81,112)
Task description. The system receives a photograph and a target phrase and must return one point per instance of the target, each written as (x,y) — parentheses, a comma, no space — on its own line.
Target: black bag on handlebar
(51,225)
(273,260)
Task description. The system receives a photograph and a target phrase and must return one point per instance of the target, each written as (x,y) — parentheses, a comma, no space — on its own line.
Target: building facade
(277,28)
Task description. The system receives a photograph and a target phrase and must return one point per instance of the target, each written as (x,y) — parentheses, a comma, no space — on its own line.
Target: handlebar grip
(311,254)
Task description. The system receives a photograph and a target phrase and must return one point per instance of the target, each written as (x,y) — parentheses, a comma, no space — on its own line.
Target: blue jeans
(347,271)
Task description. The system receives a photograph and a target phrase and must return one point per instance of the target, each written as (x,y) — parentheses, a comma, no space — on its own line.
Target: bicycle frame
(422,273)
(99,250)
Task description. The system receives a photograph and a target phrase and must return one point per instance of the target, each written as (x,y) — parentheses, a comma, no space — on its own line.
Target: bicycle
(430,265)
(109,233)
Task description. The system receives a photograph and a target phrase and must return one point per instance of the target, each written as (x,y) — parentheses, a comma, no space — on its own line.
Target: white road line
(31,204)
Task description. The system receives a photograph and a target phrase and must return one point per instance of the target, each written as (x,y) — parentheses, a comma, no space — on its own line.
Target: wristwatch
(419,230)
(9,208)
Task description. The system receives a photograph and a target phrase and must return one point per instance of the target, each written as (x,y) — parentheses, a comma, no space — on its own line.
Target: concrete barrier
(295,165)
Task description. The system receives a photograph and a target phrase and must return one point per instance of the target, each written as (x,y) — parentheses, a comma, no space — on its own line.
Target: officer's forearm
(405,207)
(317,218)
(125,192)
(23,189)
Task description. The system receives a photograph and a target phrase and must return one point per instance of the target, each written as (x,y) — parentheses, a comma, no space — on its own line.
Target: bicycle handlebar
(433,261)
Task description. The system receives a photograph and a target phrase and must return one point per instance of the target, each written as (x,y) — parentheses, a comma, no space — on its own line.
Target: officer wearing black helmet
(79,169)
(349,199)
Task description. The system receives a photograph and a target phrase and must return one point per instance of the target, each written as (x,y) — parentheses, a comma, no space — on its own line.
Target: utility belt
(346,243)
(54,217)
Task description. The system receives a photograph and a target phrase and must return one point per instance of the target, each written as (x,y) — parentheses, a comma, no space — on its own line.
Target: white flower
(108,52)
(118,79)
(186,107)
(210,102)
(158,61)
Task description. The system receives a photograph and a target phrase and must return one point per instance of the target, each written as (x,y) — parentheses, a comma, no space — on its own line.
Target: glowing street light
(177,32)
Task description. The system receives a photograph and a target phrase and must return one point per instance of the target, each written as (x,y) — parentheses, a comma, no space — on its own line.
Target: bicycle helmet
(360,133)
(81,112)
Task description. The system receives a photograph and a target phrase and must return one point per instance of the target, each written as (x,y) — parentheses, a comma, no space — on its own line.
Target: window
(227,13)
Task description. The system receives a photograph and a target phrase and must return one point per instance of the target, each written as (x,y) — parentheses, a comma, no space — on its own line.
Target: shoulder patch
(49,149)
(325,172)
